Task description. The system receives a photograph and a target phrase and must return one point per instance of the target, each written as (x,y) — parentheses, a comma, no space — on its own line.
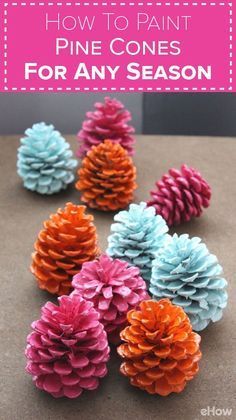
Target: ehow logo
(215,411)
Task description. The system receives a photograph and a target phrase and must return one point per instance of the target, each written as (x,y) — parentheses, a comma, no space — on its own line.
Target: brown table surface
(22,214)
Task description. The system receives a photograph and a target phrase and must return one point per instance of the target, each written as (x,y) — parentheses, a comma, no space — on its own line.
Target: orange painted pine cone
(161,352)
(107,177)
(67,240)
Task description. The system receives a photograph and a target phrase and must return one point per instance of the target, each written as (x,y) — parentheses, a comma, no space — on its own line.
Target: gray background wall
(187,114)
(65,111)
(200,114)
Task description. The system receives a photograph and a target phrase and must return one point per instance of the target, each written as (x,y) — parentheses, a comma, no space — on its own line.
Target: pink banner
(117,46)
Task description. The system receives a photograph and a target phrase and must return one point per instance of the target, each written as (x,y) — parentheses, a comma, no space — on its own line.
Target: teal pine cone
(191,277)
(45,160)
(137,237)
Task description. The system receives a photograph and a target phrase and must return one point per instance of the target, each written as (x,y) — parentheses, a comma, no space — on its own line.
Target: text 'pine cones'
(180,195)
(67,240)
(107,177)
(67,351)
(186,272)
(108,121)
(45,160)
(161,352)
(114,288)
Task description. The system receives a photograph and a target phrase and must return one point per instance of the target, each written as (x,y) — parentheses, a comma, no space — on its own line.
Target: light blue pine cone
(45,160)
(191,277)
(137,237)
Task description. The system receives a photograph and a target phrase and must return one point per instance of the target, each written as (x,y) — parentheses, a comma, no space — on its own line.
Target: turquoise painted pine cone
(137,236)
(191,277)
(45,160)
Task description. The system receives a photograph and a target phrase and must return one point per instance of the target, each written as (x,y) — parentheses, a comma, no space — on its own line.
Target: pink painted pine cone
(108,121)
(114,287)
(68,348)
(180,195)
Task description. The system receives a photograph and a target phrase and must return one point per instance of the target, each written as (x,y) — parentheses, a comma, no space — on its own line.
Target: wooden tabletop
(22,214)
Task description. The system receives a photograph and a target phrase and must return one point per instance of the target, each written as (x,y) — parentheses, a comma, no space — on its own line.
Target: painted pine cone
(180,195)
(108,121)
(45,160)
(114,288)
(137,236)
(191,277)
(161,352)
(107,177)
(67,350)
(67,240)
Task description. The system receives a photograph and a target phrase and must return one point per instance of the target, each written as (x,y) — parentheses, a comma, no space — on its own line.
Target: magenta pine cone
(180,195)
(68,349)
(108,121)
(114,288)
